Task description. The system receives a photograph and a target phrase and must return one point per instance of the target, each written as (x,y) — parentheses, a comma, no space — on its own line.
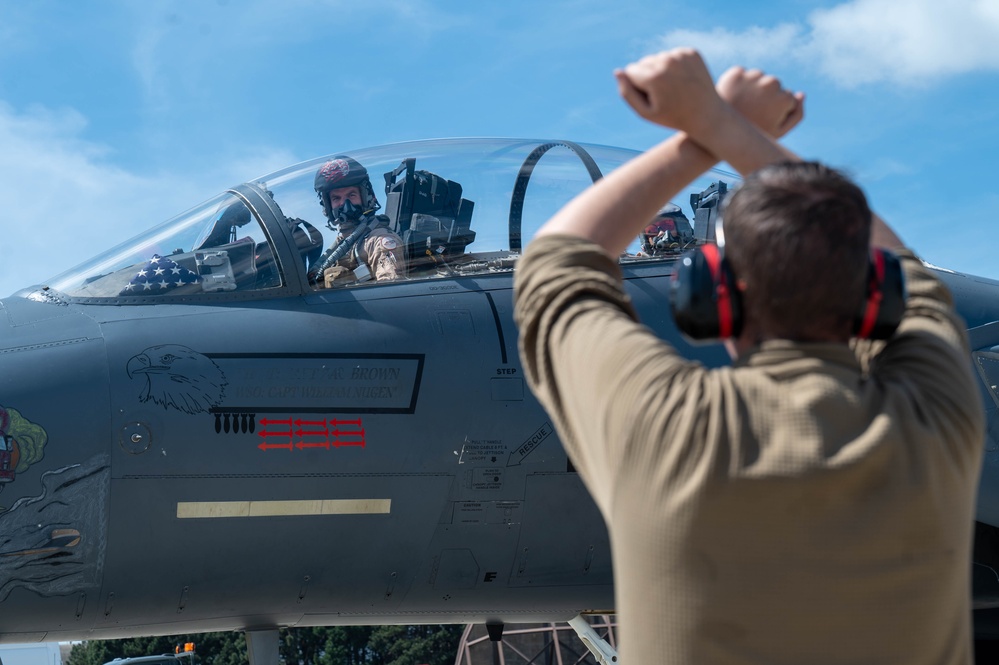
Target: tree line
(338,645)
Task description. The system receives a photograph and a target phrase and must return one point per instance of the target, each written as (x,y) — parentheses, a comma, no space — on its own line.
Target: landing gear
(584,639)
(598,646)
(262,646)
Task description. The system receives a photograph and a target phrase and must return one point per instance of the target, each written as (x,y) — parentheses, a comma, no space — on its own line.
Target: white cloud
(880,167)
(19,20)
(866,41)
(180,53)
(873,41)
(755,46)
(148,65)
(68,202)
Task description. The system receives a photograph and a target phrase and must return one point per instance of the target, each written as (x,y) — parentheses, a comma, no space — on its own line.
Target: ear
(704,300)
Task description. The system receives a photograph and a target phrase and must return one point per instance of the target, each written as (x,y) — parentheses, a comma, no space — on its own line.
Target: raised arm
(734,86)
(738,142)
(737,121)
(668,89)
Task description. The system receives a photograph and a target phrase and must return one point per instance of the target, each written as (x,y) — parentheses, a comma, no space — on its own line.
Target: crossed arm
(736,120)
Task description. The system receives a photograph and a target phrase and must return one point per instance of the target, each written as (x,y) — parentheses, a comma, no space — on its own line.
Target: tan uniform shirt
(384,252)
(810,504)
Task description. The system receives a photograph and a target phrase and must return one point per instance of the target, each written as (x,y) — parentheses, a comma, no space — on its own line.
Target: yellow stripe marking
(222,509)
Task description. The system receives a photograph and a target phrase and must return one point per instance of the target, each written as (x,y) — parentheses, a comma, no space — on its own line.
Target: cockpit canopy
(460,207)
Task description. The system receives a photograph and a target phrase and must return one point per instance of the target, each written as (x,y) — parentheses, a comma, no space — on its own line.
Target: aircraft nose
(54,460)
(53,382)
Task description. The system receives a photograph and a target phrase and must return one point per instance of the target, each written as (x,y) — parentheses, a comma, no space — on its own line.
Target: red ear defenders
(706,304)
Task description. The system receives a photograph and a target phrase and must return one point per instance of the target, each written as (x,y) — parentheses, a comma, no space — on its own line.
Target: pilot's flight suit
(381,250)
(811,504)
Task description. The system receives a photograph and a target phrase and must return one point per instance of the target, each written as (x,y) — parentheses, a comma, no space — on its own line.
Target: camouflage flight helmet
(343,171)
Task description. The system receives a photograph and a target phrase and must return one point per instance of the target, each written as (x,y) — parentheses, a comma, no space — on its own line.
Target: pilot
(663,234)
(349,203)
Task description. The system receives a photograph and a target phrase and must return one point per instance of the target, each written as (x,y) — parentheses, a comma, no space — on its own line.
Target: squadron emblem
(335,170)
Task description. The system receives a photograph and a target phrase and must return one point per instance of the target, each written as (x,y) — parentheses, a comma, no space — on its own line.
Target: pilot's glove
(338,276)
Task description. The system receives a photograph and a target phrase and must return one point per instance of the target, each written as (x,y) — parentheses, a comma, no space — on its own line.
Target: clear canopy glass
(459,206)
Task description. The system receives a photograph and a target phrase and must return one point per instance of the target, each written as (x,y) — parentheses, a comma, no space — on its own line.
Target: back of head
(797,234)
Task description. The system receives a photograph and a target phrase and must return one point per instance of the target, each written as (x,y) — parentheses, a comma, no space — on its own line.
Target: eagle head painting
(178,377)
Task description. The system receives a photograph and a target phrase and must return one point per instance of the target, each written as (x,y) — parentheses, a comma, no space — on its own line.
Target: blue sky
(117,115)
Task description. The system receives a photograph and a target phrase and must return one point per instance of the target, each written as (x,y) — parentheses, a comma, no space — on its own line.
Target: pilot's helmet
(342,171)
(662,232)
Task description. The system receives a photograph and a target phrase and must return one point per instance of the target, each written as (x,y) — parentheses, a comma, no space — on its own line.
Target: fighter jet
(200,429)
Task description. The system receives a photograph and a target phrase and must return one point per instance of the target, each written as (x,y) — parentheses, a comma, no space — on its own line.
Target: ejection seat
(706,206)
(430,216)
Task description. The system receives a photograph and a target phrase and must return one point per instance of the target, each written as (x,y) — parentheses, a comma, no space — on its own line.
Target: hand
(338,276)
(673,89)
(761,99)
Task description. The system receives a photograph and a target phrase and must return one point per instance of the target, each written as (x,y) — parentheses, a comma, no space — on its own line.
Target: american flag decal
(160,275)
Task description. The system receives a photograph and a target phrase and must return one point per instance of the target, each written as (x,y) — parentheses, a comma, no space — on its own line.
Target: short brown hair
(798,233)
